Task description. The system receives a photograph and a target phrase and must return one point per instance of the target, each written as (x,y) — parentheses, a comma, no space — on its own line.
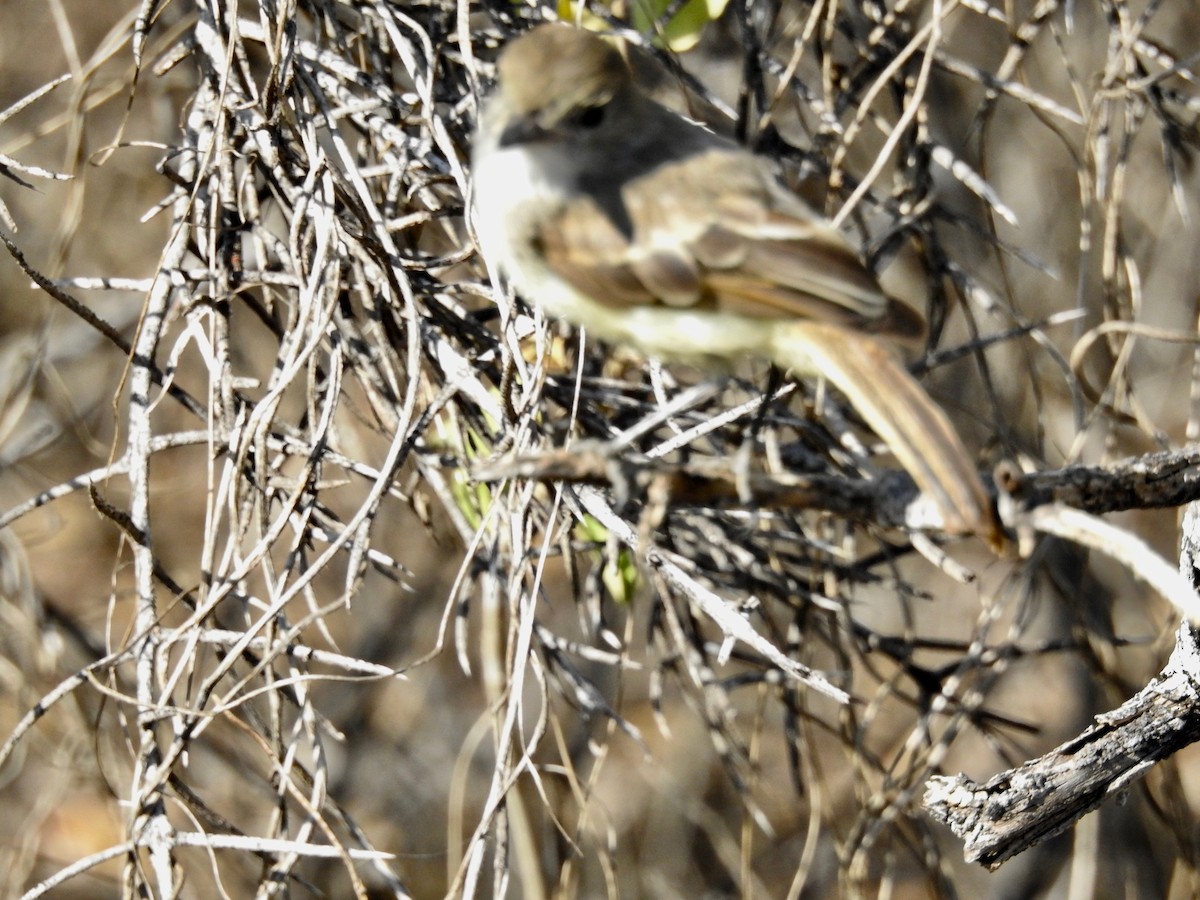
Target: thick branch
(1153,481)
(1146,482)
(1016,809)
(714,482)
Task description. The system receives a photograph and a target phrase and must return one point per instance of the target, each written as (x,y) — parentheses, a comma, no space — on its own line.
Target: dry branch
(325,365)
(1016,809)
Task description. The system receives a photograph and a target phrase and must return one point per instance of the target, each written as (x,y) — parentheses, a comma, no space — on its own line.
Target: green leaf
(621,578)
(620,575)
(679,34)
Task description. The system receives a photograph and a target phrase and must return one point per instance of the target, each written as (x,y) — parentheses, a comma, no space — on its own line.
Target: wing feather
(737,243)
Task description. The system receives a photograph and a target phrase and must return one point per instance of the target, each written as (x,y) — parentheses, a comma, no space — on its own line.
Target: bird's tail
(897,408)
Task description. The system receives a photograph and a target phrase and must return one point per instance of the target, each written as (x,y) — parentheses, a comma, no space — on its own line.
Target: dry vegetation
(251,590)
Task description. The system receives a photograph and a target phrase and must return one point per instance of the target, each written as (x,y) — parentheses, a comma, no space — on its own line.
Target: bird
(615,213)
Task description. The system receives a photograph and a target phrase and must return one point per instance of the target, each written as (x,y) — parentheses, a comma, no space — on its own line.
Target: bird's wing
(735,243)
(754,252)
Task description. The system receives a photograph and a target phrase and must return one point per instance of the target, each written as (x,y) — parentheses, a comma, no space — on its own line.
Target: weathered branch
(1152,481)
(712,482)
(1017,808)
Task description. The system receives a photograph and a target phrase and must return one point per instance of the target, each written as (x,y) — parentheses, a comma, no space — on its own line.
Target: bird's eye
(590,116)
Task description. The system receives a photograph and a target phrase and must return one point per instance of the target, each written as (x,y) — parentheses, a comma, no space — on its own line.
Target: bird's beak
(523,130)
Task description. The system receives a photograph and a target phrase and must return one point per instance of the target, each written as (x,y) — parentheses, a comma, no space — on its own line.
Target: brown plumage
(612,211)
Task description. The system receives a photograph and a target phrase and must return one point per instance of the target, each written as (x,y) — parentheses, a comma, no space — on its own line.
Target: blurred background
(262,597)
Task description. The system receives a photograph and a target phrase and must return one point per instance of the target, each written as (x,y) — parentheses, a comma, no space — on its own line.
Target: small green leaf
(621,578)
(683,31)
(679,34)
(473,498)
(589,529)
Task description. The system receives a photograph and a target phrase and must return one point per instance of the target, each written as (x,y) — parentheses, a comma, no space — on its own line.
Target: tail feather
(897,408)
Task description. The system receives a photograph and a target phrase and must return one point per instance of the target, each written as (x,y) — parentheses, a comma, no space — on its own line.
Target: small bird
(615,213)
